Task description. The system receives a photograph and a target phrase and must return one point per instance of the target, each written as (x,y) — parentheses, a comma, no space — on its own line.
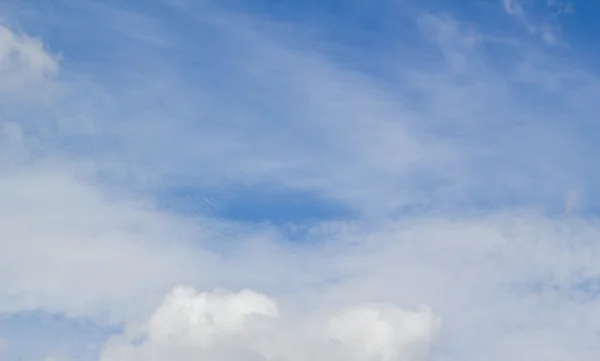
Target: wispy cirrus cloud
(451,167)
(544,26)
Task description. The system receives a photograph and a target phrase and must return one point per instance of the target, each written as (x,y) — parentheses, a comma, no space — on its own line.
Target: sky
(384,180)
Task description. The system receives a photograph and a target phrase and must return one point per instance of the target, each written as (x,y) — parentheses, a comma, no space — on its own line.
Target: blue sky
(300,180)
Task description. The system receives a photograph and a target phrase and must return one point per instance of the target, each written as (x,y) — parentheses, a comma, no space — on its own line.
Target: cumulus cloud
(188,318)
(225,326)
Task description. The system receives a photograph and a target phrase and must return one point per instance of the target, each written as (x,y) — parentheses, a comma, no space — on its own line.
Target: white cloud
(187,318)
(24,61)
(385,332)
(226,326)
(505,284)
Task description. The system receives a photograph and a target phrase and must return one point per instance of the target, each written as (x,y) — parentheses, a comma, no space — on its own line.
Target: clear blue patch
(580,29)
(253,204)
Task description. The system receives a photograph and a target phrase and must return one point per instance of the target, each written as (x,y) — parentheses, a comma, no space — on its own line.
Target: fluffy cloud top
(224,326)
